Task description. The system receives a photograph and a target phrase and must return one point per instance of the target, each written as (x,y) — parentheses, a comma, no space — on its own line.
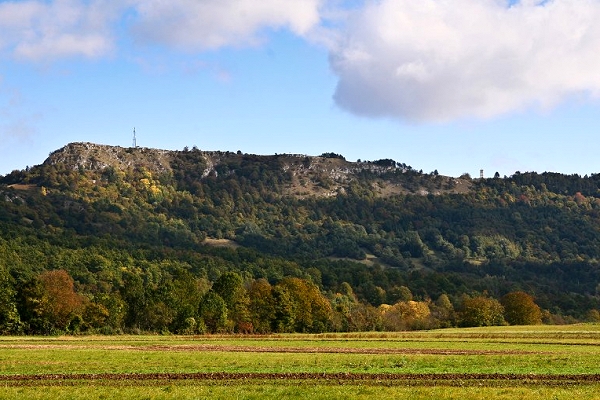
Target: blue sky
(455,86)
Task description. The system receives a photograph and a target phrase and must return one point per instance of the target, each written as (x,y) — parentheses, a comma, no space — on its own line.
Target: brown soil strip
(305,377)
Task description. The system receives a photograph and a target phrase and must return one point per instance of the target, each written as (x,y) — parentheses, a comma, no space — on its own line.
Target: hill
(377,232)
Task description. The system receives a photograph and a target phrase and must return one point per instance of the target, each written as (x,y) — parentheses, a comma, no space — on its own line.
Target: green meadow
(556,362)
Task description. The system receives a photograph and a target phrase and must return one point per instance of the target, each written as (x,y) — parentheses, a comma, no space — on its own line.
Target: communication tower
(134,139)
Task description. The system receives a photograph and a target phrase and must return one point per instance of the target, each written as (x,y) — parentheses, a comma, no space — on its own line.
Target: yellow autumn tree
(406,315)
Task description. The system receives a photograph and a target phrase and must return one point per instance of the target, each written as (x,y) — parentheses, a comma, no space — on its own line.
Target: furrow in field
(335,378)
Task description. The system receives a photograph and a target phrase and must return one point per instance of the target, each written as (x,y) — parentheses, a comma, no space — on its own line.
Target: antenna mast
(134,140)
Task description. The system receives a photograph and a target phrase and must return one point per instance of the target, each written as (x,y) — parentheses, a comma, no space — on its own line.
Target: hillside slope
(102,212)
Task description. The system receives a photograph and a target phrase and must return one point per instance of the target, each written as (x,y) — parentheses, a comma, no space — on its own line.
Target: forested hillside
(109,239)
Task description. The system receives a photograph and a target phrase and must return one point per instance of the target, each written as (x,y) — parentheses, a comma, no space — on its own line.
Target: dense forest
(104,239)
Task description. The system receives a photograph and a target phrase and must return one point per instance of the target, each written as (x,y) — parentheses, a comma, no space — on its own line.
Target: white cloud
(418,60)
(41,30)
(209,24)
(438,60)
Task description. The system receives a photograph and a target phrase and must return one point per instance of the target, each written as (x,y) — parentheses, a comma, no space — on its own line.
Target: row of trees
(49,303)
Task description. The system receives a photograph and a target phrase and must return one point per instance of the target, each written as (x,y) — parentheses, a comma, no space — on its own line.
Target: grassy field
(550,362)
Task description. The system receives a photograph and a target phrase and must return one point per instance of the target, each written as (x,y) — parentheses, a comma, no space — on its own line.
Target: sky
(454,86)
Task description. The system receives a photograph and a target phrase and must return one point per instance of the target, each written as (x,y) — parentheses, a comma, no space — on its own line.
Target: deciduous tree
(406,315)
(10,321)
(481,311)
(213,312)
(312,311)
(520,309)
(261,308)
(230,288)
(59,303)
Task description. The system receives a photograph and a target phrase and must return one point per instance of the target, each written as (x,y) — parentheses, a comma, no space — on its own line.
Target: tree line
(49,303)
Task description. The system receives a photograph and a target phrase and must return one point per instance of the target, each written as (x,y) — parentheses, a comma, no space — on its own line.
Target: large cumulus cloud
(438,60)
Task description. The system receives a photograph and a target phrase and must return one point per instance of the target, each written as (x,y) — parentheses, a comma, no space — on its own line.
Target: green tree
(181,292)
(158,316)
(400,293)
(213,312)
(116,309)
(134,296)
(285,310)
(261,307)
(481,311)
(342,305)
(442,312)
(94,315)
(312,311)
(10,321)
(230,288)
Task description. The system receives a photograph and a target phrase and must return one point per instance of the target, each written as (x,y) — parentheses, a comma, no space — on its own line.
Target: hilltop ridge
(94,156)
(321,176)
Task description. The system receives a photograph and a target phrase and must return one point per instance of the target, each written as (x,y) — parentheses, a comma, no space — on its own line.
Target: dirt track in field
(299,378)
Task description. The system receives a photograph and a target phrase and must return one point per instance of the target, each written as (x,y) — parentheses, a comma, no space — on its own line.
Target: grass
(314,392)
(100,361)
(525,351)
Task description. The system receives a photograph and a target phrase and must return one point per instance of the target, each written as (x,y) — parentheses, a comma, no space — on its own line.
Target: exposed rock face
(309,176)
(97,156)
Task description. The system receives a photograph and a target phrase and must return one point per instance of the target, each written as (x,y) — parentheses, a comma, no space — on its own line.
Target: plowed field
(294,378)
(488,363)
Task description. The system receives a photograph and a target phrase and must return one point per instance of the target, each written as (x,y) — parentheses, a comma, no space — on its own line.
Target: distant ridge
(325,175)
(98,156)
